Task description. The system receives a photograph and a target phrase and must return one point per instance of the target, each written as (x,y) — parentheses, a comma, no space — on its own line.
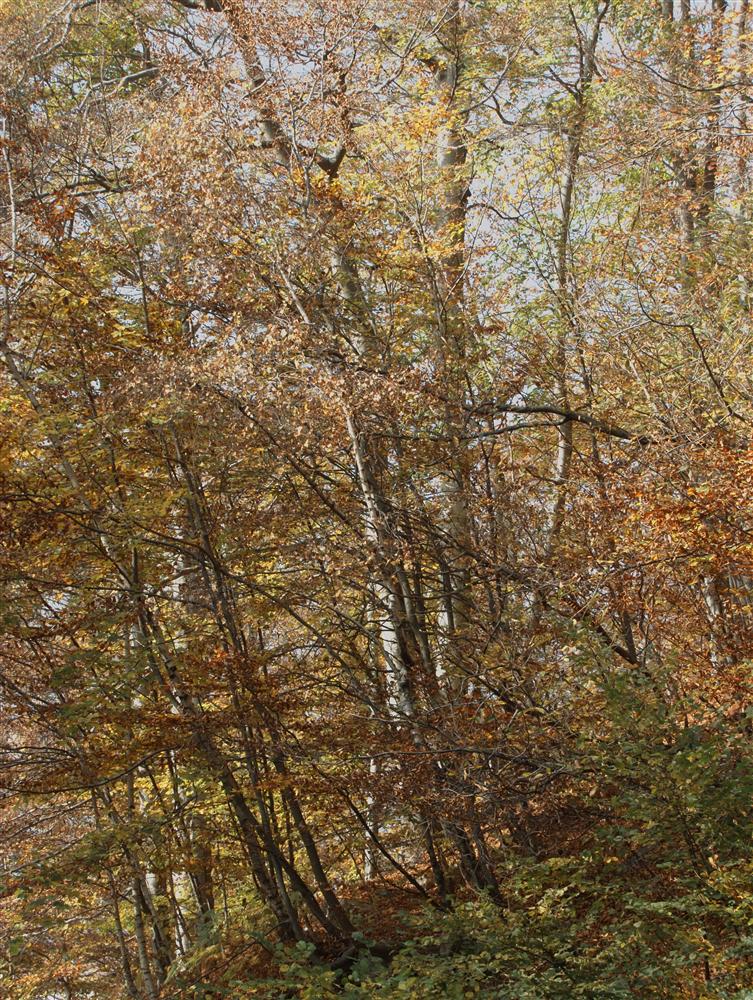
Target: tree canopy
(376,493)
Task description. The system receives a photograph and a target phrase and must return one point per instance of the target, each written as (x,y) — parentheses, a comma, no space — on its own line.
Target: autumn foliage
(376,494)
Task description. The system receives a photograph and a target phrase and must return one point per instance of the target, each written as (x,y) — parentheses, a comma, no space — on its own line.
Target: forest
(376,499)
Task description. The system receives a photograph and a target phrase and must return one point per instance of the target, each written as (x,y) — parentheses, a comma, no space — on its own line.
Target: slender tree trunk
(125,959)
(743,82)
(142,950)
(566,303)
(713,117)
(451,85)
